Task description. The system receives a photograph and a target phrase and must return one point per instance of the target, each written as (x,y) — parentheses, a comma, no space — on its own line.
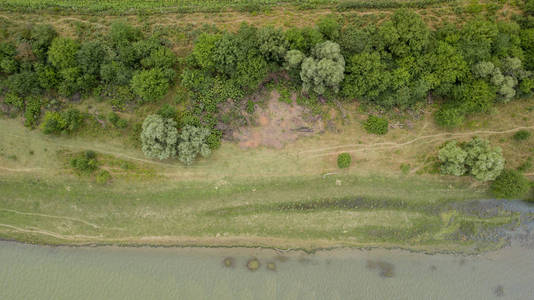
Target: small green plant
(376,125)
(405,168)
(522,135)
(103,177)
(527,165)
(344,160)
(85,163)
(510,184)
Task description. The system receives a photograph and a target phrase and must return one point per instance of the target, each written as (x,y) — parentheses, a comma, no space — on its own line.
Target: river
(42,272)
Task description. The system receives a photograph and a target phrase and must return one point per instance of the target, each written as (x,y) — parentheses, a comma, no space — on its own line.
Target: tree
(452,158)
(406,34)
(354,40)
(150,85)
(90,56)
(303,39)
(324,70)
(367,77)
(159,137)
(193,141)
(510,184)
(484,162)
(63,53)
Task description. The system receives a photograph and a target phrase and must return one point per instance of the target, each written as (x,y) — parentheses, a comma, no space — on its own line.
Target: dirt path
(390,145)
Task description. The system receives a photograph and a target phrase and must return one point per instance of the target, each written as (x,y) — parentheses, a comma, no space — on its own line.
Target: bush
(159,137)
(344,160)
(522,135)
(53,123)
(32,112)
(376,125)
(56,123)
(63,53)
(85,163)
(510,184)
(150,85)
(103,177)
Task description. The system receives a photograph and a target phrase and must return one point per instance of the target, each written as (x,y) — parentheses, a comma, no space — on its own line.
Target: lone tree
(159,137)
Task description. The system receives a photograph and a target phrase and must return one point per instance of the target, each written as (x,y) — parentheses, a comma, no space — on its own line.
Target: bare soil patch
(277,124)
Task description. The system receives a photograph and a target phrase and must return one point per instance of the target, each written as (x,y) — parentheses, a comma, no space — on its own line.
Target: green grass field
(188,6)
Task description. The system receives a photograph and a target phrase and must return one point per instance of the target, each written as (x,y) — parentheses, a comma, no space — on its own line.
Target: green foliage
(522,135)
(8,63)
(32,111)
(161,57)
(159,137)
(329,27)
(116,73)
(14,101)
(376,125)
(23,84)
(344,160)
(193,141)
(151,85)
(510,184)
(204,50)
(272,44)
(303,39)
(90,56)
(85,163)
(449,116)
(325,69)
(63,53)
(168,112)
(56,123)
(476,157)
(452,158)
(41,38)
(103,177)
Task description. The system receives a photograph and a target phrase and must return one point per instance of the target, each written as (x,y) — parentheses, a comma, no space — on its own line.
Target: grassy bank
(313,212)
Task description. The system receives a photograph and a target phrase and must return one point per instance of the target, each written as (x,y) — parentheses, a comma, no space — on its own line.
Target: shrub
(344,160)
(449,117)
(159,137)
(168,111)
(85,163)
(32,112)
(103,177)
(150,85)
(522,135)
(53,123)
(510,184)
(329,27)
(56,123)
(376,125)
(14,101)
(63,53)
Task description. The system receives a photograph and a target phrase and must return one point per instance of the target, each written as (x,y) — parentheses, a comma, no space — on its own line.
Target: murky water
(37,272)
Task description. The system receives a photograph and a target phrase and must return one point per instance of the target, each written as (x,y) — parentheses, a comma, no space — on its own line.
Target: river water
(41,272)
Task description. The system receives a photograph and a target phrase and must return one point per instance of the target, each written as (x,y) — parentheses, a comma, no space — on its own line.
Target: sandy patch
(277,124)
